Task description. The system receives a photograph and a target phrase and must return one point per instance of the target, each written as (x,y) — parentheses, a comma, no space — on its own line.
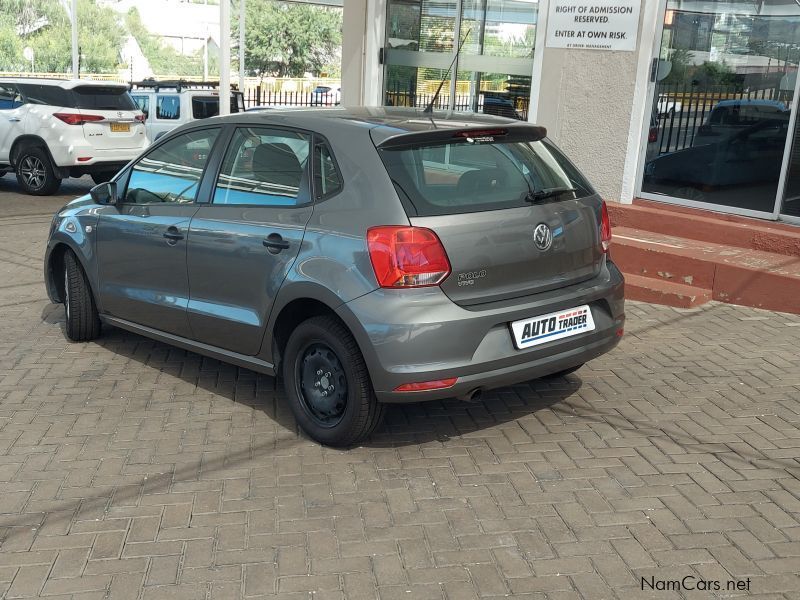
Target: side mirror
(104,193)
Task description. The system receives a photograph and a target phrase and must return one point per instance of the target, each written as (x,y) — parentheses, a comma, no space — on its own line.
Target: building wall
(592,103)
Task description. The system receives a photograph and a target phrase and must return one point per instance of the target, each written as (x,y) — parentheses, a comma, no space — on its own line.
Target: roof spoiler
(511,132)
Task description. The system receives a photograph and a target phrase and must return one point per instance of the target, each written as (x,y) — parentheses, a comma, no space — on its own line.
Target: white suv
(167,104)
(54,129)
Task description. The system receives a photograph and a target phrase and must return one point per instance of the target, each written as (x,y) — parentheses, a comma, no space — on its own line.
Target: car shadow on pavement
(404,424)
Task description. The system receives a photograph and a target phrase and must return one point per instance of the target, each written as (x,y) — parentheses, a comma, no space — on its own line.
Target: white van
(167,104)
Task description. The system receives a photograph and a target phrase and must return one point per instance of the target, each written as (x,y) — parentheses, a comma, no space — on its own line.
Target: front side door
(141,243)
(244,241)
(12,118)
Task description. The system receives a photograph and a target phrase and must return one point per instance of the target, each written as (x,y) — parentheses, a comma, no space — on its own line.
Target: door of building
(492,73)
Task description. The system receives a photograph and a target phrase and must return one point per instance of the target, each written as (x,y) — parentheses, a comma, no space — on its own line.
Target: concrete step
(730,273)
(707,226)
(661,291)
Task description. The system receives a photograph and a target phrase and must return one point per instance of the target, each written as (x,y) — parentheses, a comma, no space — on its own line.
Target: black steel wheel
(327,383)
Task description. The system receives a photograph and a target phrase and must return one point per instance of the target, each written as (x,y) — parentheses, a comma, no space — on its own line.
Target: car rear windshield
(94,97)
(470,176)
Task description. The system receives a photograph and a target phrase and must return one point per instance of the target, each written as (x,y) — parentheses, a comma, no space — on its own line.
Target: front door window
(722,104)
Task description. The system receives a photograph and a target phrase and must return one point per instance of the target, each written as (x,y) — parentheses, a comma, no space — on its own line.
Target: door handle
(14,119)
(275,243)
(173,235)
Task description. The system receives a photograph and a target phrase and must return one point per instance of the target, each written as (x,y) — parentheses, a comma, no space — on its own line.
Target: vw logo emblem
(542,237)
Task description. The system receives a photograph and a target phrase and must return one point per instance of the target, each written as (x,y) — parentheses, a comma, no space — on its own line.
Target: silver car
(367,256)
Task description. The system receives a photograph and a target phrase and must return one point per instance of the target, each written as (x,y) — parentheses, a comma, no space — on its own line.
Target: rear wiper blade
(545,193)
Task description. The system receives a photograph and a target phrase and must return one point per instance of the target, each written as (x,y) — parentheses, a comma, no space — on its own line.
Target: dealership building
(686,102)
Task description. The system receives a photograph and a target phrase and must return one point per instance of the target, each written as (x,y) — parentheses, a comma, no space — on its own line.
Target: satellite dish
(28,53)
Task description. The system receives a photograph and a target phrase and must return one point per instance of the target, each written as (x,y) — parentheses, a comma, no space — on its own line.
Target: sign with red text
(593,24)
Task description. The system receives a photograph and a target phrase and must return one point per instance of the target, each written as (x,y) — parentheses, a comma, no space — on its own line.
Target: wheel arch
(303,301)
(54,269)
(27,141)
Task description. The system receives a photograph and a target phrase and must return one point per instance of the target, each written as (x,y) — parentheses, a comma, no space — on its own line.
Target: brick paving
(131,469)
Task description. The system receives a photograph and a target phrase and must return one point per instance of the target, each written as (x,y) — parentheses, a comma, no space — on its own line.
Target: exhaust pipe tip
(473,396)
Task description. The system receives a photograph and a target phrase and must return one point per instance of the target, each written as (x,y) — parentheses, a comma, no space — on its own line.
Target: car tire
(322,358)
(82,321)
(35,173)
(563,373)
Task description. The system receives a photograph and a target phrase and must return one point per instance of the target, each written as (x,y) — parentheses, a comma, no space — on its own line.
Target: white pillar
(225,57)
(363,27)
(242,4)
(75,57)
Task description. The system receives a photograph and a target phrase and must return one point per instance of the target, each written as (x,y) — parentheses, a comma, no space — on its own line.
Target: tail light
(77,119)
(652,135)
(404,257)
(605,228)
(140,118)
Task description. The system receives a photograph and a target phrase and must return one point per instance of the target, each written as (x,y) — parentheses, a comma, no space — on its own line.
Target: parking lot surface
(131,469)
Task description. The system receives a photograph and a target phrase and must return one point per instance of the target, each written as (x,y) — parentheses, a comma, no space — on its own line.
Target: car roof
(383,122)
(66,84)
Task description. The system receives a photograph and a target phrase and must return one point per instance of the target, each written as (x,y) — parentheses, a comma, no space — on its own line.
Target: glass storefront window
(721,111)
(496,61)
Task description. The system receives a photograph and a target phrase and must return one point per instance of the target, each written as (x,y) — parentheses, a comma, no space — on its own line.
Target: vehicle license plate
(552,326)
(120,127)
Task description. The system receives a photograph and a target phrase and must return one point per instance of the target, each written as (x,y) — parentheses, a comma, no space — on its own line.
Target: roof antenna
(429,108)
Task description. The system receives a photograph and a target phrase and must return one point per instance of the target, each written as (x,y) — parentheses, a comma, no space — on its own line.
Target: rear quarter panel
(333,265)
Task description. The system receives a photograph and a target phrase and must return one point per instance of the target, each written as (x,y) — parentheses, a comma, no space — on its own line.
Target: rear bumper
(413,336)
(98,160)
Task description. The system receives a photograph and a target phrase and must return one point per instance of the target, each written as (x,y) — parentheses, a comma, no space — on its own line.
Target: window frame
(179,115)
(320,140)
(18,94)
(305,192)
(125,175)
(146,108)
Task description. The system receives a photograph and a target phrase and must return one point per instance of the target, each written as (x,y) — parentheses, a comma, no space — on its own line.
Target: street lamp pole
(224,57)
(75,57)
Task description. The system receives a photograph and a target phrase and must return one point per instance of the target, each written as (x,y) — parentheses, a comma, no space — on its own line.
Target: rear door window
(168,108)
(95,97)
(205,106)
(264,167)
(469,176)
(48,95)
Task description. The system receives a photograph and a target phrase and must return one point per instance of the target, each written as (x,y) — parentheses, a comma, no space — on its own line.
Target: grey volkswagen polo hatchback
(368,256)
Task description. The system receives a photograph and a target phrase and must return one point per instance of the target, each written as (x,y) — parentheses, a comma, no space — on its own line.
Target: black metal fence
(498,103)
(515,107)
(680,111)
(258,97)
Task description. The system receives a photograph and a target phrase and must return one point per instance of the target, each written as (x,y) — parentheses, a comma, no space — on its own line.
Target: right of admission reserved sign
(593,24)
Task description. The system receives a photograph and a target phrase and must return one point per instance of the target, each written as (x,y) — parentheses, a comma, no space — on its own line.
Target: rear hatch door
(113,115)
(514,215)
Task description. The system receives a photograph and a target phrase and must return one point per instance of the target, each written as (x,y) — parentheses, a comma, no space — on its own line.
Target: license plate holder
(120,127)
(553,326)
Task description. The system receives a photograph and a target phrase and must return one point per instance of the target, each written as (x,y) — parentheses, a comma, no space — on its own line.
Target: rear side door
(243,242)
(141,242)
(12,118)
